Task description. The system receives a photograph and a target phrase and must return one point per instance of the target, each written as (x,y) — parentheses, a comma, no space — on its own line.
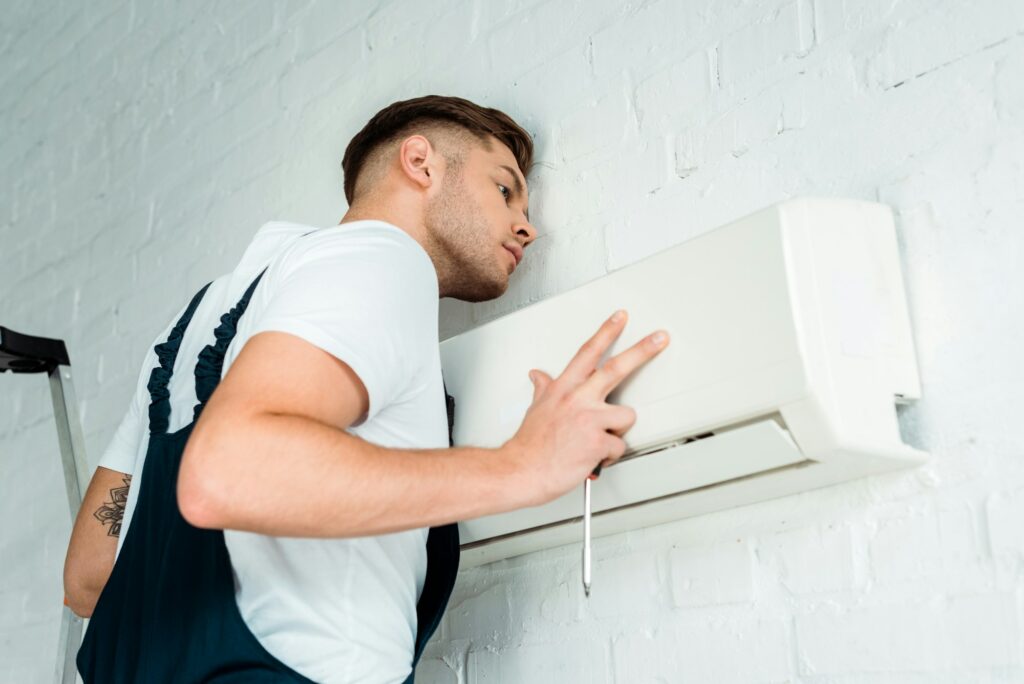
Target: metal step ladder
(27,354)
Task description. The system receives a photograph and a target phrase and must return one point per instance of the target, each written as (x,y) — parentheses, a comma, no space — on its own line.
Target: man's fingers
(585,361)
(617,368)
(619,419)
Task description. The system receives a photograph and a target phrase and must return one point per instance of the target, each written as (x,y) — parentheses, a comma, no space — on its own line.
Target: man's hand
(569,428)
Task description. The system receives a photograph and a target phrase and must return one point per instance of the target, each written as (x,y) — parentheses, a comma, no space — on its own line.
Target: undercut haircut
(452,115)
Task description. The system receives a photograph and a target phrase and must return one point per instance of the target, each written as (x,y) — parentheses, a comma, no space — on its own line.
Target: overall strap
(211,358)
(442,568)
(159,404)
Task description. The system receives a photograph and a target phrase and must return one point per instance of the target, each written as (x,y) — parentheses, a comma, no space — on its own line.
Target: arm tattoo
(113,511)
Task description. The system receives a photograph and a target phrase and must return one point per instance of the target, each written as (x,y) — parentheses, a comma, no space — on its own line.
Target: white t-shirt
(335,610)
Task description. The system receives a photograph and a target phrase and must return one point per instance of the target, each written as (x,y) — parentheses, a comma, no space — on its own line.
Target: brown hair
(401,118)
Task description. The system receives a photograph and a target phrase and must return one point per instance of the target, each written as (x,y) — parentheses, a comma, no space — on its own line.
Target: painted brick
(713,574)
(548,663)
(555,24)
(623,585)
(763,643)
(938,634)
(939,540)
(835,19)
(320,24)
(753,50)
(656,35)
(435,671)
(598,127)
(317,71)
(810,560)
(1005,512)
(484,613)
(924,41)
(673,97)
(144,145)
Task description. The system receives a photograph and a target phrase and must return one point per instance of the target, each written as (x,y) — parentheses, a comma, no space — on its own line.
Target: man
(277,528)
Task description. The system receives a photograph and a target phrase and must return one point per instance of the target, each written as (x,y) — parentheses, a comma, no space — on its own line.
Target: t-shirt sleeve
(365,299)
(123,448)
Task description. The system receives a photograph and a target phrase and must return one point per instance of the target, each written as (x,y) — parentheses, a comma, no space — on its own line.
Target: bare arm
(90,556)
(270,455)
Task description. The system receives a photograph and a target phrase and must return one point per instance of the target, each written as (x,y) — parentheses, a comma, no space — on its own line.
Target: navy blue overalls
(168,611)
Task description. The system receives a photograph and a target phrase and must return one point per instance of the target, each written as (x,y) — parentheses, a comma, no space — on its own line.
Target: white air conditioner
(790,346)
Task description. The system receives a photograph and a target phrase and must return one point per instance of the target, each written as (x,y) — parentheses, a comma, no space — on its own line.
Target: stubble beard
(463,244)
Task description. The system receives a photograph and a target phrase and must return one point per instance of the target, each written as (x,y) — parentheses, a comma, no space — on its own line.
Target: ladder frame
(28,354)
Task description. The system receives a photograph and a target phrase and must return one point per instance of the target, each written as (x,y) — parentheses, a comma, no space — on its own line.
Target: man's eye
(504,191)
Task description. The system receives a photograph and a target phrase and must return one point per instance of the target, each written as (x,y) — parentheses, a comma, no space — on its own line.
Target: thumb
(540,381)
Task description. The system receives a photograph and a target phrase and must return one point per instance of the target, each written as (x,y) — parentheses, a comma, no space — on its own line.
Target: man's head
(452,174)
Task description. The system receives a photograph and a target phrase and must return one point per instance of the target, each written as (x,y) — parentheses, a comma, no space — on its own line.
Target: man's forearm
(289,475)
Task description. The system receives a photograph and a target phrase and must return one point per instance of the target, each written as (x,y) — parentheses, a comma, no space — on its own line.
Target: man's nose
(527,231)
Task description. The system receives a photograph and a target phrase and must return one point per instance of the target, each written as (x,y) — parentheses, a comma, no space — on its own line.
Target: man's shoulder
(364,233)
(371,250)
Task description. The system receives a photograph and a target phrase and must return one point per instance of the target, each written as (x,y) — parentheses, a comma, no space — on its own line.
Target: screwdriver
(586,530)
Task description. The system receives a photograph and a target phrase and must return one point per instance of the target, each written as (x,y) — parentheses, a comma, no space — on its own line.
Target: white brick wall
(144,143)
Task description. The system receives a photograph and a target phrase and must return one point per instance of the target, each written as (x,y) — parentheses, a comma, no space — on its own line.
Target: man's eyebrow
(517,186)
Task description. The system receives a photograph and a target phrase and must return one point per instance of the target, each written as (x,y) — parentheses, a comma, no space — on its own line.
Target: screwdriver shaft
(586,536)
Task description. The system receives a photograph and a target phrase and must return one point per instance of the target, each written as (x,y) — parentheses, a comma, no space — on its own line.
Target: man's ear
(418,161)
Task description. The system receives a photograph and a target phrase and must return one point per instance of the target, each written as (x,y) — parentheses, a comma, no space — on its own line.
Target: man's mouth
(517,255)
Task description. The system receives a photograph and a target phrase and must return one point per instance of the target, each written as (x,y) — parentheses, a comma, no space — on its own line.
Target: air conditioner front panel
(724,299)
